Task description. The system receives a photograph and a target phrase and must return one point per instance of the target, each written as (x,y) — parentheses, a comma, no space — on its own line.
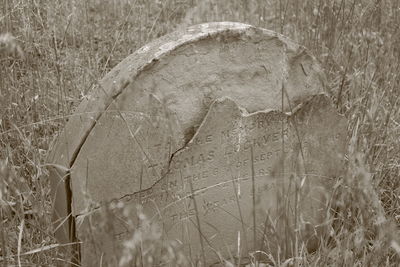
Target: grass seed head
(9,47)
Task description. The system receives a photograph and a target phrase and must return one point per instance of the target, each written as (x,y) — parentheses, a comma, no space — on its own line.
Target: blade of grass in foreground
(198,224)
(253,184)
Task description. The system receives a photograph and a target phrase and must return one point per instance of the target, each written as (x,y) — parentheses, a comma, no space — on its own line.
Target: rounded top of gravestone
(187,69)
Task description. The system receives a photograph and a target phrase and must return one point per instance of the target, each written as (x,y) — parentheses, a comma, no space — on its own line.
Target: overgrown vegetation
(56,50)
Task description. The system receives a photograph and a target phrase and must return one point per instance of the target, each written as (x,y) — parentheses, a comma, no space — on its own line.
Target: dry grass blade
(193,196)
(43,249)
(253,189)
(3,241)
(21,230)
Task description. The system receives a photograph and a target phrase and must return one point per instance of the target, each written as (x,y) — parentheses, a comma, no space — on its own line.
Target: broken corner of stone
(213,130)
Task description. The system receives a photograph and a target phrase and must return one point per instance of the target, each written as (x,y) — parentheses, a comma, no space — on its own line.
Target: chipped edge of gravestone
(112,85)
(67,144)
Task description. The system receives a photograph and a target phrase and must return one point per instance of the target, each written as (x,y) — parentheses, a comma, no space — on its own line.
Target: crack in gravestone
(163,173)
(185,146)
(320,128)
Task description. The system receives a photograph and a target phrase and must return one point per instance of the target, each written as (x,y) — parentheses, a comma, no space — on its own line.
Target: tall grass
(56,50)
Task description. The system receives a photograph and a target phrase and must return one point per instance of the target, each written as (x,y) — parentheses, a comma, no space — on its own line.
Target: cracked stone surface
(139,127)
(284,156)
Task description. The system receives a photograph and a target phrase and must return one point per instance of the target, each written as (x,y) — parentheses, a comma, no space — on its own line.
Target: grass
(56,50)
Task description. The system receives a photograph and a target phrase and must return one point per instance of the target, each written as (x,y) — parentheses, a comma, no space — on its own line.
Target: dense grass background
(57,50)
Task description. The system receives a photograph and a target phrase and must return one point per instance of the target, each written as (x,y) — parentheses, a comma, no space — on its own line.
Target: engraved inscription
(238,168)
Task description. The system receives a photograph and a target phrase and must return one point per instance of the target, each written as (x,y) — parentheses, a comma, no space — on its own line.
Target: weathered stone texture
(204,107)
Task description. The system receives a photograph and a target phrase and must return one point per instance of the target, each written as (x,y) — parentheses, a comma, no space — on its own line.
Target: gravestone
(221,132)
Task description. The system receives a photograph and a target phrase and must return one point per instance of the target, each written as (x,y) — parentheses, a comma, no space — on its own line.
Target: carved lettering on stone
(286,157)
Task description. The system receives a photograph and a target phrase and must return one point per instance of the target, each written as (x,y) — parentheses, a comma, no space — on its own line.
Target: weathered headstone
(220,131)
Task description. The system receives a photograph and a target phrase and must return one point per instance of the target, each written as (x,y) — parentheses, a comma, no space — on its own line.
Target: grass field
(56,51)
